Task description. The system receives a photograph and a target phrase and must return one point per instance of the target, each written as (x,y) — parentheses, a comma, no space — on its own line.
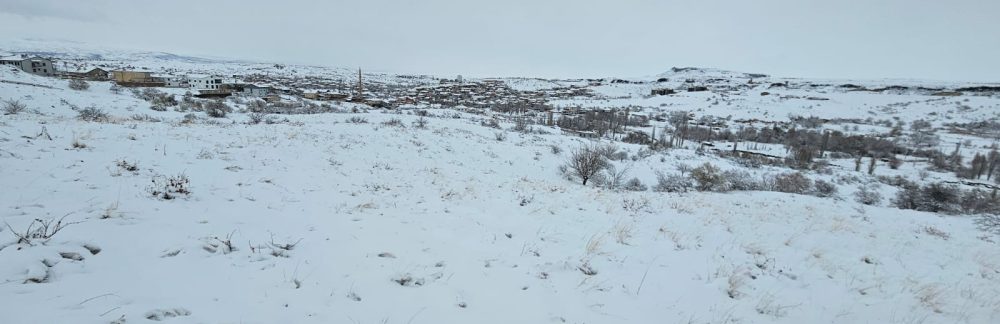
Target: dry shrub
(794,182)
(707,177)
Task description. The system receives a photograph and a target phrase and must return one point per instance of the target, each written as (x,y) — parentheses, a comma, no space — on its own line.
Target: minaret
(361,87)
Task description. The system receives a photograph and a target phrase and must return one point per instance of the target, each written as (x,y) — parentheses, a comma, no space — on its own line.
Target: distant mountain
(71,50)
(708,72)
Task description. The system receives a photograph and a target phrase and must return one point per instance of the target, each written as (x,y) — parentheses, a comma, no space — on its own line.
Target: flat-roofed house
(34,65)
(173,81)
(200,82)
(95,74)
(136,79)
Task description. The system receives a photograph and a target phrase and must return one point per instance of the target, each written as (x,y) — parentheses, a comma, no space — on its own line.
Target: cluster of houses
(206,85)
(45,67)
(485,94)
(490,94)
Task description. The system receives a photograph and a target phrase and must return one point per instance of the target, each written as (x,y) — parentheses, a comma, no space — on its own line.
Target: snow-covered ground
(319,220)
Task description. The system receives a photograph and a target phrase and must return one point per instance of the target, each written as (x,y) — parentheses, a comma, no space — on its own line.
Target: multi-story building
(200,82)
(34,65)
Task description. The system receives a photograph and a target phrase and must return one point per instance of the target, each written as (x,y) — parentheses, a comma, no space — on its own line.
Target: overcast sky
(925,39)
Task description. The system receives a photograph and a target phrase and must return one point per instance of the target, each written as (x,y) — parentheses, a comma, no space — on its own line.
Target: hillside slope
(318,219)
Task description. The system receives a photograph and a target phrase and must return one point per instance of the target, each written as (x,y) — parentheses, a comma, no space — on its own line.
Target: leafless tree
(993,160)
(679,120)
(586,162)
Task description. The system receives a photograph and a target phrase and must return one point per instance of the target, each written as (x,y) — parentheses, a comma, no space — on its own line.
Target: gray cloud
(85,11)
(955,40)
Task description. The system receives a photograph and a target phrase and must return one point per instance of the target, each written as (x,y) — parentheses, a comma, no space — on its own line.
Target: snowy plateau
(113,212)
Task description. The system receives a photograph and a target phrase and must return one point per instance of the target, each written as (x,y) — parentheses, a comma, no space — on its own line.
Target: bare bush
(169,188)
(612,178)
(672,183)
(610,151)
(78,143)
(707,177)
(823,188)
(989,223)
(189,119)
(491,123)
(794,182)
(586,162)
(868,195)
(189,103)
(161,99)
(151,94)
(217,109)
(356,120)
(144,118)
(634,184)
(393,122)
(521,125)
(421,123)
(13,107)
(40,230)
(500,136)
(933,197)
(257,106)
(920,125)
(740,181)
(124,165)
(92,114)
(256,117)
(78,85)
(978,201)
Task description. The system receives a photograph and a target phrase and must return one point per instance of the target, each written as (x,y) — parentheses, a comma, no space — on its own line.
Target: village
(492,94)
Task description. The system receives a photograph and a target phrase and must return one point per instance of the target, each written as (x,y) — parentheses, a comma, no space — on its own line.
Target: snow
(448,225)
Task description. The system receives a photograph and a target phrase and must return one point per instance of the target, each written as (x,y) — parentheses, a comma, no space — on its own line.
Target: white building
(173,81)
(33,65)
(205,82)
(202,82)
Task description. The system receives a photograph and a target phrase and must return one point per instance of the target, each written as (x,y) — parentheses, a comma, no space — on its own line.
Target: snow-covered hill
(365,217)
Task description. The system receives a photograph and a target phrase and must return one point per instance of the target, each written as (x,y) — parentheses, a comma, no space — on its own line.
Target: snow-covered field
(315,219)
